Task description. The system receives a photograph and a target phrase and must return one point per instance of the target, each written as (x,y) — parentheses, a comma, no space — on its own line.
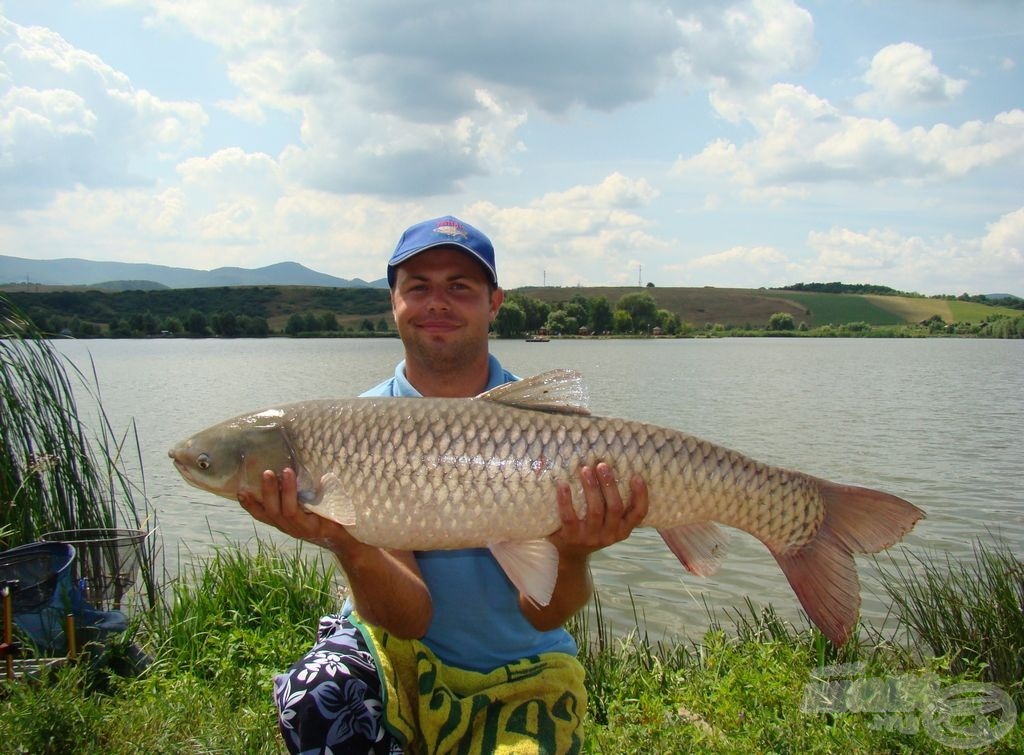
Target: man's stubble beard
(448,358)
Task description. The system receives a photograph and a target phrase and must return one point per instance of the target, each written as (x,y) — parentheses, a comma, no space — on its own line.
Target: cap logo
(451,229)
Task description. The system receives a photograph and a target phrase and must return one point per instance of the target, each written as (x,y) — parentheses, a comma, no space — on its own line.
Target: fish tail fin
(822,572)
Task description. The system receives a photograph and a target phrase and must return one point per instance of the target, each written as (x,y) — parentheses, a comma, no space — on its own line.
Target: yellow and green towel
(535,705)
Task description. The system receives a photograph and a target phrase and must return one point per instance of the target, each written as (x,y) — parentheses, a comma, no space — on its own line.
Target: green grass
(969,612)
(245,614)
(969,311)
(837,309)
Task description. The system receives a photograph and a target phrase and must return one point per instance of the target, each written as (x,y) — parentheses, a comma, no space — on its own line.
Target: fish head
(229,459)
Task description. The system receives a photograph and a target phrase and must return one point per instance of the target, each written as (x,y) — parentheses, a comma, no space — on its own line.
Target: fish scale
(431,474)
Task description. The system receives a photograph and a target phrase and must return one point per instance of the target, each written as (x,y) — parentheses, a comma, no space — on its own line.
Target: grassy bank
(748,685)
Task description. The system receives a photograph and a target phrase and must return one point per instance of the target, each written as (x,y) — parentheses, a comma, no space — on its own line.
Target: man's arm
(387,587)
(606,521)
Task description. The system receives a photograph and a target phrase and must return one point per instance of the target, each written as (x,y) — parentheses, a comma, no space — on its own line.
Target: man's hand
(386,585)
(607,519)
(278,505)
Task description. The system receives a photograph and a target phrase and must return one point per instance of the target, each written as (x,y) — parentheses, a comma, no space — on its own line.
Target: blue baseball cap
(444,231)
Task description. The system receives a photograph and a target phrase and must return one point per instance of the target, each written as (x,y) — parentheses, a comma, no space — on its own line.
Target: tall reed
(969,611)
(56,474)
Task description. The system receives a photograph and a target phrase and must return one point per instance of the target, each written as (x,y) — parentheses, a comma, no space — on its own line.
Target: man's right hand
(278,505)
(386,585)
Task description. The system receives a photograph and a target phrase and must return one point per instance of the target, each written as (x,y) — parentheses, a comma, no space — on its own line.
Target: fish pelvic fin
(531,565)
(699,546)
(556,392)
(822,571)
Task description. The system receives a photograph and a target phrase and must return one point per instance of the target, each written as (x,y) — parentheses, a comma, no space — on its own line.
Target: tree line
(836,287)
(633,313)
(301,312)
(247,312)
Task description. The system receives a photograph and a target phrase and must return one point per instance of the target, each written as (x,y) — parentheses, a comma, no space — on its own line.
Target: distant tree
(172,325)
(120,329)
(600,315)
(329,322)
(578,308)
(510,320)
(622,321)
(366,325)
(195,323)
(536,311)
(225,324)
(143,323)
(781,321)
(253,327)
(296,324)
(559,321)
(642,309)
(382,326)
(669,322)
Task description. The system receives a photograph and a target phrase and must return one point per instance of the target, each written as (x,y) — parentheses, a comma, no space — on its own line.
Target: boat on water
(537,339)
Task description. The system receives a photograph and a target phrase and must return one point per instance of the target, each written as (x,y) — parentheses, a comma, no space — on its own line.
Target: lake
(935,421)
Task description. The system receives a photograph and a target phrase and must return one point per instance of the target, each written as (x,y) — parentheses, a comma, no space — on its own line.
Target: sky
(598,142)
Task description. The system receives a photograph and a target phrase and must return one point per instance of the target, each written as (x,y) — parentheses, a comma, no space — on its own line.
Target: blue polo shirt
(476,623)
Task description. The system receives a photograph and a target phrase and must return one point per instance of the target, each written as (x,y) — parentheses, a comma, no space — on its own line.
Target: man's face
(443,305)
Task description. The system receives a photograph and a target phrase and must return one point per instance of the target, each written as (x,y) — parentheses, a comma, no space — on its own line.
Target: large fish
(432,474)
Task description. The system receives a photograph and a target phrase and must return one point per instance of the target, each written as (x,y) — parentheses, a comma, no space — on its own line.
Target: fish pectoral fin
(531,565)
(699,546)
(554,391)
(330,501)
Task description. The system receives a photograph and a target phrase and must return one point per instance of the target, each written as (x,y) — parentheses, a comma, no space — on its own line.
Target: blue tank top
(476,622)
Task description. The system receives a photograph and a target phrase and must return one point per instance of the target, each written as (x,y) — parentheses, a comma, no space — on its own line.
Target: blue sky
(704,143)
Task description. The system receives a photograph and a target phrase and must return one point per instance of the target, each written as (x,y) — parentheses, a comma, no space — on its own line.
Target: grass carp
(434,474)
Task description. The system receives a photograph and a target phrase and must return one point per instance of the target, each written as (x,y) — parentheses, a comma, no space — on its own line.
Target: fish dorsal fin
(556,391)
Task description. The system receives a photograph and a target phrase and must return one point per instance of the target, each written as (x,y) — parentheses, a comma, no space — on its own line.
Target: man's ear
(497,297)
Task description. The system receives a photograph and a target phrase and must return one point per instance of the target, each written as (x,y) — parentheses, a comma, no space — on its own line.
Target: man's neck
(462,381)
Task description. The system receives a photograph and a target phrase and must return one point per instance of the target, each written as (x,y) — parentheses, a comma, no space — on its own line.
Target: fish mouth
(182,468)
(183,471)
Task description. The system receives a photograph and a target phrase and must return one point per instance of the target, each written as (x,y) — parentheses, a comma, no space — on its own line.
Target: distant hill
(122,276)
(742,307)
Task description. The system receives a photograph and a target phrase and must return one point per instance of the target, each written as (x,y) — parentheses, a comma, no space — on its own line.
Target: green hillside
(740,307)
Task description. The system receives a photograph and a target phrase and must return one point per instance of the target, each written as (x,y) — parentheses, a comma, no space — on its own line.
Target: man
(458,604)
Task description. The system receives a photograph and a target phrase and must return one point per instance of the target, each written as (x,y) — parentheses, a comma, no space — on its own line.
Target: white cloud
(742,266)
(942,264)
(586,235)
(801,139)
(903,75)
(743,43)
(413,100)
(67,118)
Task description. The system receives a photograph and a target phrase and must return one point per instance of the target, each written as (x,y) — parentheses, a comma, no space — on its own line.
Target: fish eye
(203,461)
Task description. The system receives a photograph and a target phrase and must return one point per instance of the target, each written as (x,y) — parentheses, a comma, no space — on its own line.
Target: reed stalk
(56,473)
(970,611)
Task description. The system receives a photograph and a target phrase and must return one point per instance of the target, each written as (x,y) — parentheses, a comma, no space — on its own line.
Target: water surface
(936,421)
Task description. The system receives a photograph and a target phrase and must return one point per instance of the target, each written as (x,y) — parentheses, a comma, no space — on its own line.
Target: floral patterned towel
(535,705)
